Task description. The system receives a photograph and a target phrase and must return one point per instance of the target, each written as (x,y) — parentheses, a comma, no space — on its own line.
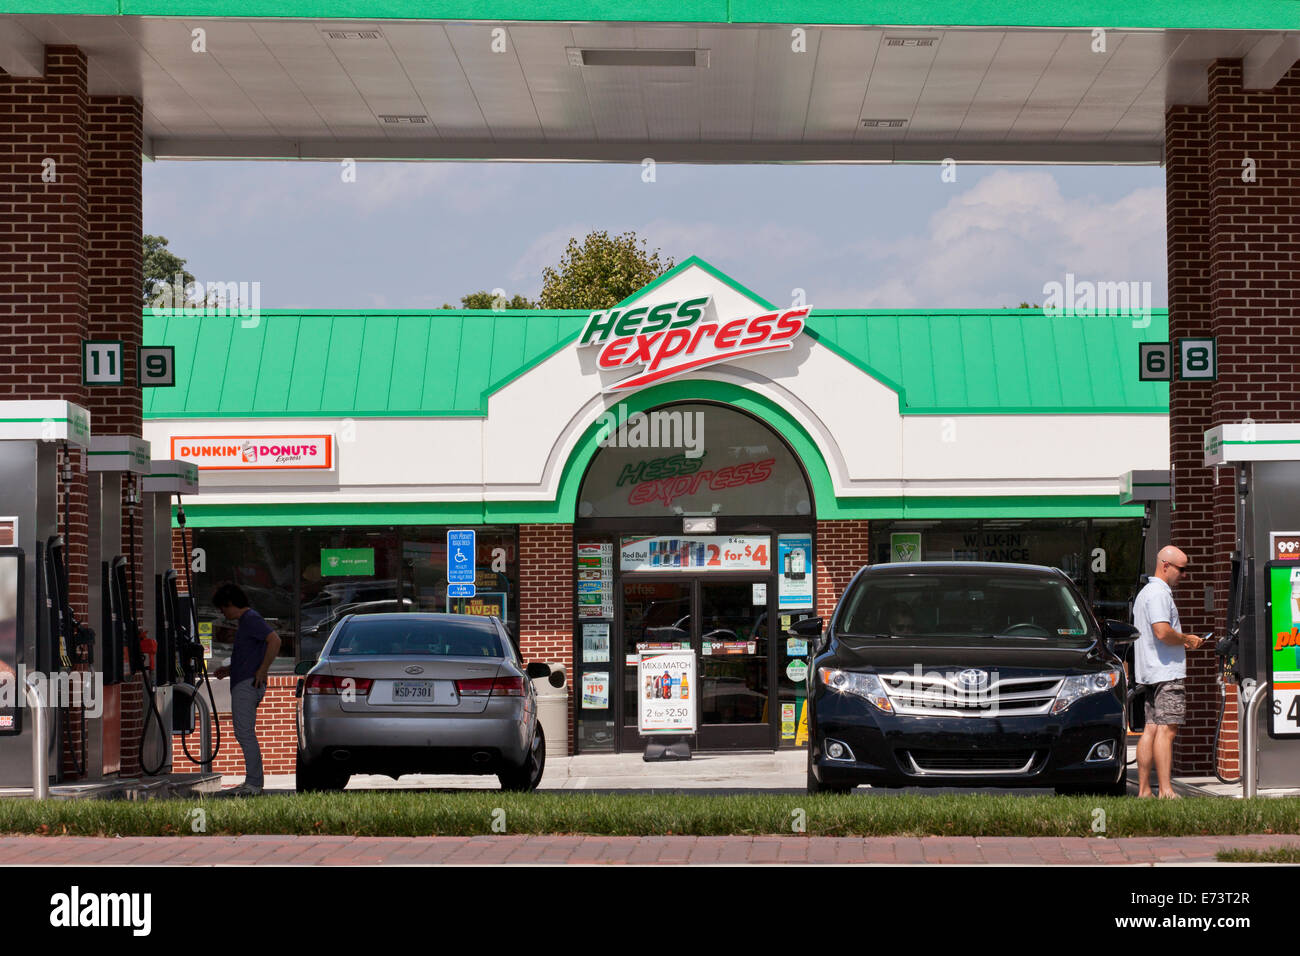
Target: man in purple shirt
(256,645)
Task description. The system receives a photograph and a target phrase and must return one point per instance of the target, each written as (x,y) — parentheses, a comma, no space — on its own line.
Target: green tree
(600,272)
(161,266)
(485,300)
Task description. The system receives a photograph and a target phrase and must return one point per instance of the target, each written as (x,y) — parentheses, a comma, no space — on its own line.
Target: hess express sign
(675,337)
(255,452)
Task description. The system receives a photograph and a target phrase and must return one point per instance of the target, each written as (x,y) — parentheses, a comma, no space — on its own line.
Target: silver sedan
(418,693)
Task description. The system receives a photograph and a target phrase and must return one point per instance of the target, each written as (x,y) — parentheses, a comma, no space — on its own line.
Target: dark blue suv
(941,674)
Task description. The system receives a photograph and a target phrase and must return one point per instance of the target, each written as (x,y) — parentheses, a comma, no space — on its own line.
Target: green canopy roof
(291,363)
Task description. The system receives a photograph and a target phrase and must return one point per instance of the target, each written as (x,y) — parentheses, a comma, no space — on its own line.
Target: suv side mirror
(1120,634)
(303,667)
(808,627)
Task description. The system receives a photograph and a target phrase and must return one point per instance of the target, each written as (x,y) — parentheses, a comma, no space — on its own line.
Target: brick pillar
(1232,274)
(841,549)
(1187,203)
(44,284)
(114,145)
(546,600)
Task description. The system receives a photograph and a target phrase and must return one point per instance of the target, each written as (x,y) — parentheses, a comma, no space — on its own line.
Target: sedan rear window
(426,638)
(960,604)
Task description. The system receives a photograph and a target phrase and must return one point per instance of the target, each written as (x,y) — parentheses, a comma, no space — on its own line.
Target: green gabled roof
(446,363)
(1003,361)
(368,364)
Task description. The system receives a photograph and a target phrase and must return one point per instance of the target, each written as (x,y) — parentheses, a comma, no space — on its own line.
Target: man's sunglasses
(1180,567)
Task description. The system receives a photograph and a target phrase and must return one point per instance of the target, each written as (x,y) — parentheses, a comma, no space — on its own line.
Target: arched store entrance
(694,531)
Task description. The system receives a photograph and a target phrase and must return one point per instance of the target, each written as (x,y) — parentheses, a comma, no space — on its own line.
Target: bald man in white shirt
(1160,659)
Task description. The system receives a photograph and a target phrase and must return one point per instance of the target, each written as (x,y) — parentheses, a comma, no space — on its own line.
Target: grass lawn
(1278,854)
(407,813)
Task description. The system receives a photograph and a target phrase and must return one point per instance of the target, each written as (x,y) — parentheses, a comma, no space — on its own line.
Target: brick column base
(546,601)
(841,549)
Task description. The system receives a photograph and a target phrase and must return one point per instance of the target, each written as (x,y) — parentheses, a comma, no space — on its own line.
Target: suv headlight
(1076,688)
(866,686)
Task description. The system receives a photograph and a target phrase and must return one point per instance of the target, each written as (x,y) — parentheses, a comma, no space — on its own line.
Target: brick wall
(1232,274)
(546,600)
(70,226)
(114,142)
(841,549)
(275,735)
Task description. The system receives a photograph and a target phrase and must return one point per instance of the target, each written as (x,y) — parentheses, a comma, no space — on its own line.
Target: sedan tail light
(491,687)
(329,684)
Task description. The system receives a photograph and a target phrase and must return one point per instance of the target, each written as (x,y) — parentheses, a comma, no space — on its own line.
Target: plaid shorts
(1166,702)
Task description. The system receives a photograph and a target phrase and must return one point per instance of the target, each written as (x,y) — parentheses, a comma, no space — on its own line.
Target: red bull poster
(666,692)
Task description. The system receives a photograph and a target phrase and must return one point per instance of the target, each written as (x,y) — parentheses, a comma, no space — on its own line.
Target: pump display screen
(11,632)
(1284,649)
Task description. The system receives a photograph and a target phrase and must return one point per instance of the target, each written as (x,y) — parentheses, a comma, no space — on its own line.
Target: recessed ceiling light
(884,123)
(909,41)
(398,119)
(650,58)
(353,35)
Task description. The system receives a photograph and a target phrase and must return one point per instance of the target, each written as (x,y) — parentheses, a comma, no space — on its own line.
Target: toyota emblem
(973,677)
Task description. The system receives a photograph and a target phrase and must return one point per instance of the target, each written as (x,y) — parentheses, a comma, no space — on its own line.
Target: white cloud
(1007,235)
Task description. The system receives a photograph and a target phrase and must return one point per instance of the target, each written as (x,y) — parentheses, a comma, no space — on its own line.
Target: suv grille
(974,762)
(939,695)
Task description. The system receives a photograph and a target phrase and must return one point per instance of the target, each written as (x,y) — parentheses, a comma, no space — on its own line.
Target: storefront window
(694,458)
(304,581)
(345,572)
(1101,556)
(261,562)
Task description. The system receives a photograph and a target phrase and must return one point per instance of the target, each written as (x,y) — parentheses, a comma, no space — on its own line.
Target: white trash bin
(553,711)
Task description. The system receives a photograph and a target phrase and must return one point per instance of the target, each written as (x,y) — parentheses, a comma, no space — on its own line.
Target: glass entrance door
(733,655)
(719,620)
(657,614)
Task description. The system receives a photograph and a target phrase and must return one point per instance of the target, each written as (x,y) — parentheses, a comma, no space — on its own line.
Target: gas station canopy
(626,80)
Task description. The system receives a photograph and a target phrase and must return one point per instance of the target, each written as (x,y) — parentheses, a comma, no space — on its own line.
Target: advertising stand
(667,703)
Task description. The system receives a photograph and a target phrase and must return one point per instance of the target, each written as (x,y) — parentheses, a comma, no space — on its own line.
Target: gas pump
(181,655)
(1260,648)
(116,464)
(36,633)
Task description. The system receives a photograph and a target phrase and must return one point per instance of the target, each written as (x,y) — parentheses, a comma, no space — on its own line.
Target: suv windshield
(963,604)
(387,637)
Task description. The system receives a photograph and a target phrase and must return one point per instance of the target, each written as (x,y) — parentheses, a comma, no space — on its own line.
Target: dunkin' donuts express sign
(255,452)
(675,337)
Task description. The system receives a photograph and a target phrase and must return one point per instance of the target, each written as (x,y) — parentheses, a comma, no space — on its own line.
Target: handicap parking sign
(460,557)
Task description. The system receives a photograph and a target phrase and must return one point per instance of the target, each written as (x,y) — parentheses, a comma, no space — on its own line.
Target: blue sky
(416,235)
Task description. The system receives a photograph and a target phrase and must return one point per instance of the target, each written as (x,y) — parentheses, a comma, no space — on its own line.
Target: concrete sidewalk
(589,850)
(782,771)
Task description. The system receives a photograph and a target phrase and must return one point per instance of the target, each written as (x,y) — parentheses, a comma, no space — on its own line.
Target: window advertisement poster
(595,690)
(905,546)
(794,565)
(666,695)
(595,643)
(1284,659)
(697,553)
(11,633)
(347,562)
(483,604)
(595,579)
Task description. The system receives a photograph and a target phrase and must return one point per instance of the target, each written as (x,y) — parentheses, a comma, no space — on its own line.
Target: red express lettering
(729,333)
(760,327)
(789,325)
